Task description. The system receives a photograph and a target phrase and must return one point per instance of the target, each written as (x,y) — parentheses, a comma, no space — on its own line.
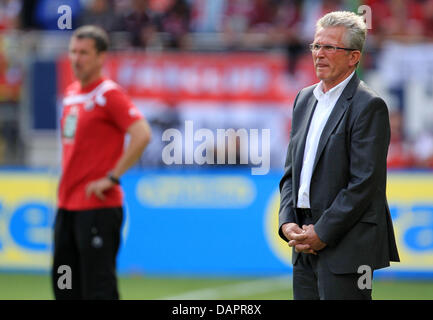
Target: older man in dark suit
(333,209)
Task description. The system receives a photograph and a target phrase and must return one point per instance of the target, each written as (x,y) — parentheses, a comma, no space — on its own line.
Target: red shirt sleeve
(121,110)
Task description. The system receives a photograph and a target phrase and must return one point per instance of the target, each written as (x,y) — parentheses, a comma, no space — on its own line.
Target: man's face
(333,67)
(85,60)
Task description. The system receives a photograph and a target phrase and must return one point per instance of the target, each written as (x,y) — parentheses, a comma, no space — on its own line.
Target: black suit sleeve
(369,140)
(286,212)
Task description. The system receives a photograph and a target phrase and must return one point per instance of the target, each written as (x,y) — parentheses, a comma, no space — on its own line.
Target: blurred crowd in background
(227,25)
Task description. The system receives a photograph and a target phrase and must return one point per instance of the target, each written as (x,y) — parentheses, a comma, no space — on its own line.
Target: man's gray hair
(356,29)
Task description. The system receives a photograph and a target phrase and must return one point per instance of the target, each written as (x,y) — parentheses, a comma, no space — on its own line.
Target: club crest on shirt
(70,126)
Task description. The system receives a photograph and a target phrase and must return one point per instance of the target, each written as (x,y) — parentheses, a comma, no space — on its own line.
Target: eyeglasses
(328,48)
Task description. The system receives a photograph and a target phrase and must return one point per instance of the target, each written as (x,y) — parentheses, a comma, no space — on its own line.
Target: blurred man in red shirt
(96,116)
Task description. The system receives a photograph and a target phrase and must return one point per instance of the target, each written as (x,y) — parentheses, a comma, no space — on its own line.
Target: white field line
(242,289)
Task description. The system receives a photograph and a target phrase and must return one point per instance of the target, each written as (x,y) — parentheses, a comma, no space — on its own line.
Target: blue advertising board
(201,223)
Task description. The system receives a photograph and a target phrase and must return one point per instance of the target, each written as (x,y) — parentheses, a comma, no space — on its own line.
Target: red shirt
(93,126)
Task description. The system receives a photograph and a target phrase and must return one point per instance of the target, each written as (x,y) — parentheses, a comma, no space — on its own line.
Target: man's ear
(355,57)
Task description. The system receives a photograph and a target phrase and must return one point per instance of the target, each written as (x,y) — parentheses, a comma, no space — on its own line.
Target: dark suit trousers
(312,279)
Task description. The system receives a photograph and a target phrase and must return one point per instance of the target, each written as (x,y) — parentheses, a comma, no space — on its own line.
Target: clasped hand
(304,240)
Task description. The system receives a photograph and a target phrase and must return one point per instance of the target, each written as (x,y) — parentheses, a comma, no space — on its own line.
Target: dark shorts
(87,243)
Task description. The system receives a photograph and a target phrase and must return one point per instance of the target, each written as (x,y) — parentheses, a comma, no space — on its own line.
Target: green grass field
(37,287)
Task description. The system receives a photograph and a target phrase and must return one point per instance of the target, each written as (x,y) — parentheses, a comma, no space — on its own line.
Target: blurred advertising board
(197,76)
(214,90)
(201,223)
(27,200)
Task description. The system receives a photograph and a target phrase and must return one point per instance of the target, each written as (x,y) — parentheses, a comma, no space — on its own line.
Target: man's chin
(79,76)
(320,75)
(76,74)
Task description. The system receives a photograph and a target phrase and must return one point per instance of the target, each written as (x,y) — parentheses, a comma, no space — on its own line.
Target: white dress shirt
(325,104)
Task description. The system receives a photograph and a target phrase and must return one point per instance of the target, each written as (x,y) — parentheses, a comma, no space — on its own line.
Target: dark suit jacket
(348,184)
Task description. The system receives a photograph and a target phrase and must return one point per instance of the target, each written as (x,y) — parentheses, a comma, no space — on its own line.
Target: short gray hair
(356,29)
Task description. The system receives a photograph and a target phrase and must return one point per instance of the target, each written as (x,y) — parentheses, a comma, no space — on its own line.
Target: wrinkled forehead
(330,35)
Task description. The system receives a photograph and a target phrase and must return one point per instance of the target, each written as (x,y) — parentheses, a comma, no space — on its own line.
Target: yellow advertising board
(410,198)
(26,218)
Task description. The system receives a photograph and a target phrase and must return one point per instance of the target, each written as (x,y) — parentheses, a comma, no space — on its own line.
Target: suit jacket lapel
(310,106)
(335,116)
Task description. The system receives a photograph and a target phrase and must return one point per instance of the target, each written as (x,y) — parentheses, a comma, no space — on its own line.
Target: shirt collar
(89,87)
(335,91)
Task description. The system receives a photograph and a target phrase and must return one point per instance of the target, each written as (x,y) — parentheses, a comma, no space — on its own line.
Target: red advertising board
(188,76)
